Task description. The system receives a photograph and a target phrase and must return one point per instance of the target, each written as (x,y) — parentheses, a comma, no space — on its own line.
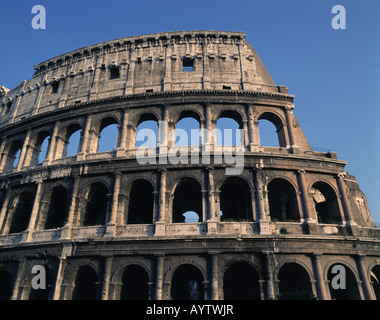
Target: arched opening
(268,134)
(235,200)
(41,145)
(13,157)
(146,134)
(44,149)
(22,211)
(282,201)
(56,214)
(294,281)
(187,130)
(272,133)
(134,284)
(375,280)
(72,140)
(325,203)
(229,129)
(345,286)
(43,294)
(187,283)
(108,133)
(5,285)
(85,284)
(141,199)
(241,282)
(191,216)
(96,207)
(187,197)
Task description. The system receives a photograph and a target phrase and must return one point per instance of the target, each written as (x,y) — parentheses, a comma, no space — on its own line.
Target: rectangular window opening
(9,106)
(149,90)
(226,88)
(188,65)
(115,73)
(54,87)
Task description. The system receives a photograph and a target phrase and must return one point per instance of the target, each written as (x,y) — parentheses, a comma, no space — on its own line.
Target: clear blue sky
(334,74)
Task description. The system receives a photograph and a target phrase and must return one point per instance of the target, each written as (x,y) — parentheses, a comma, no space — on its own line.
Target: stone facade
(101,223)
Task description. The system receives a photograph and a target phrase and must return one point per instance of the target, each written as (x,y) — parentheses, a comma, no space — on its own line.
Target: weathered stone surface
(103,212)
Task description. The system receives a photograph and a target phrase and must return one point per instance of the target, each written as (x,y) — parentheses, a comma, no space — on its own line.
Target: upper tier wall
(221,60)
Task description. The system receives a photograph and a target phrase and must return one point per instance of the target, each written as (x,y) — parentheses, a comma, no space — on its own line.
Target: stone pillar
(307,214)
(262,289)
(114,290)
(314,287)
(309,222)
(206,79)
(259,194)
(66,84)
(107,277)
(108,208)
(4,157)
(253,138)
(160,223)
(213,217)
(289,121)
(299,204)
(2,148)
(253,205)
(86,133)
(159,276)
(4,208)
(58,281)
(202,124)
(167,79)
(262,219)
(53,139)
(19,276)
(345,203)
(367,287)
(318,275)
(246,144)
(256,131)
(162,196)
(4,141)
(23,153)
(208,127)
(111,224)
(163,135)
(67,228)
(204,205)
(128,86)
(211,191)
(130,138)
(267,261)
(214,276)
(37,101)
(19,96)
(28,234)
(121,149)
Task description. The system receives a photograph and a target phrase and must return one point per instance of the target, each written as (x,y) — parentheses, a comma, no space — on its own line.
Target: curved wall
(97,213)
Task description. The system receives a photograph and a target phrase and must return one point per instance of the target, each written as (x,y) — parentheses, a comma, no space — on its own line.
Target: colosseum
(101,225)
